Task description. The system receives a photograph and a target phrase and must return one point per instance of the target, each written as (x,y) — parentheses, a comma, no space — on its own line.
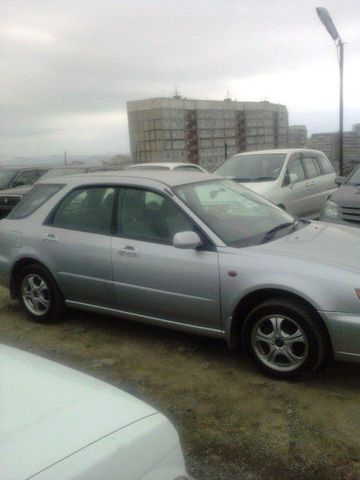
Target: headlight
(331,210)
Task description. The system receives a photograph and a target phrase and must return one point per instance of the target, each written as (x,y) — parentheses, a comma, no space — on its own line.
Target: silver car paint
(194,287)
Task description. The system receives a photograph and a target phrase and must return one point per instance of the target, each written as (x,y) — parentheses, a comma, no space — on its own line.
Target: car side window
(149,216)
(86,209)
(311,167)
(26,177)
(295,166)
(325,164)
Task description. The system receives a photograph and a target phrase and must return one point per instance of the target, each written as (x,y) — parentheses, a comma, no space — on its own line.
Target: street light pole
(330,27)
(341,113)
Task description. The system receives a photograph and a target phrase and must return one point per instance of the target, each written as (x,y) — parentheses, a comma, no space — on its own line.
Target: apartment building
(297,136)
(203,131)
(329,144)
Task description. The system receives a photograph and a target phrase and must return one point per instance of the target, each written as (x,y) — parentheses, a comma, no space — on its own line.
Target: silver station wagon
(198,253)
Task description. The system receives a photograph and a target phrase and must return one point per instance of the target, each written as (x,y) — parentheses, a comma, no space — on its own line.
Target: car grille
(7,204)
(350,214)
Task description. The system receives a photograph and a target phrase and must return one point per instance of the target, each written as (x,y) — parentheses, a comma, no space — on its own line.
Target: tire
(39,294)
(284,339)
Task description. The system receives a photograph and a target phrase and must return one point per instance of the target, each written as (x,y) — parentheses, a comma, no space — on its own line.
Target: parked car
(10,197)
(197,253)
(178,166)
(57,423)
(297,180)
(18,176)
(343,206)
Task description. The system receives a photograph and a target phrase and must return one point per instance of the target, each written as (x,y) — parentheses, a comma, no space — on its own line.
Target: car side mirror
(293,178)
(187,240)
(339,180)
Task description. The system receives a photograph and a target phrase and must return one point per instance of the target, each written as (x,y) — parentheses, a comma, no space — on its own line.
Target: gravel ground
(233,422)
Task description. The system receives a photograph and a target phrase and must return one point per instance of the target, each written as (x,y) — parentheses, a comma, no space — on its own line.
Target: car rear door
(78,238)
(314,184)
(328,176)
(153,279)
(295,195)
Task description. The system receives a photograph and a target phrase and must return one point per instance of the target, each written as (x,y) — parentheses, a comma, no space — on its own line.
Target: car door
(152,277)
(294,195)
(78,237)
(327,180)
(313,184)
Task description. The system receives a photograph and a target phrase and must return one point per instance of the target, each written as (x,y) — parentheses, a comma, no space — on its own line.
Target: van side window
(311,167)
(295,166)
(325,164)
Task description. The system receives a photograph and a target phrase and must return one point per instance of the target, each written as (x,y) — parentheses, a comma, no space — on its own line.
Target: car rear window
(34,200)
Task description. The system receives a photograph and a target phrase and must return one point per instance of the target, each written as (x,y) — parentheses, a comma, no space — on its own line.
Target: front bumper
(344,331)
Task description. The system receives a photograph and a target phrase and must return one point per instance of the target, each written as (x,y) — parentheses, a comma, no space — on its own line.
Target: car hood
(48,411)
(21,191)
(318,242)
(347,196)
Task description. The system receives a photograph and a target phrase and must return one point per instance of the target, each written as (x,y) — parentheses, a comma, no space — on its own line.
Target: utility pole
(65,159)
(327,21)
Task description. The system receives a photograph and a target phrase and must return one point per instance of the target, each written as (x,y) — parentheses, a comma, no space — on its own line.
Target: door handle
(50,239)
(128,251)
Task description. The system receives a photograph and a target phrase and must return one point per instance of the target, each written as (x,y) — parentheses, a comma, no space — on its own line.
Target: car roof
(141,177)
(277,150)
(163,164)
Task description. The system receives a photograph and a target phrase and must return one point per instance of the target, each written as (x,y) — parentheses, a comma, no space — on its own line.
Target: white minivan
(297,180)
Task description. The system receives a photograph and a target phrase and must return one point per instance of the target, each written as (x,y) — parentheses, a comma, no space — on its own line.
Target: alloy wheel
(35,294)
(279,342)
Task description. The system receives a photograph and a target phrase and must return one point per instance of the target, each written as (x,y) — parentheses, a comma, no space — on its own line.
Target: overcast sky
(68,67)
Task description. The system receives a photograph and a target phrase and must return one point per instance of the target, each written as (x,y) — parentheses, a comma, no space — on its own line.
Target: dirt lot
(234,423)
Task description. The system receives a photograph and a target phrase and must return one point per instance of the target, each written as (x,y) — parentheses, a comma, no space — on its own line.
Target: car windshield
(355,177)
(252,168)
(61,172)
(6,175)
(238,216)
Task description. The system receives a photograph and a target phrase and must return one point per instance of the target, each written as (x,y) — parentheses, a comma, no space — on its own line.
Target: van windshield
(260,167)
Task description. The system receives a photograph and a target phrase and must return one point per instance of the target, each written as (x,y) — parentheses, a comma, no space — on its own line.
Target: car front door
(78,238)
(154,279)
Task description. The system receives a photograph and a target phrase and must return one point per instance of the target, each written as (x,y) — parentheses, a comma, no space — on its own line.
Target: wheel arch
(254,298)
(16,269)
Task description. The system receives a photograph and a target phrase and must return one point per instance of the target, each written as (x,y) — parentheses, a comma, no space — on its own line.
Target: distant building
(202,131)
(329,144)
(297,136)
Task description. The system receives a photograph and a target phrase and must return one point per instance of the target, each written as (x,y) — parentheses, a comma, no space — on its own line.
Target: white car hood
(329,244)
(48,411)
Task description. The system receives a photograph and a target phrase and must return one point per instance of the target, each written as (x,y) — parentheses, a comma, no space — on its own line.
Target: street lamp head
(329,24)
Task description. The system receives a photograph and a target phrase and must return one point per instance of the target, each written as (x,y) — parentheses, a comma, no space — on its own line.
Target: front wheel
(39,294)
(283,339)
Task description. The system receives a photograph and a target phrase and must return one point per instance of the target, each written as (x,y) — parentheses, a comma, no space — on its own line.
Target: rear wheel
(39,294)
(283,338)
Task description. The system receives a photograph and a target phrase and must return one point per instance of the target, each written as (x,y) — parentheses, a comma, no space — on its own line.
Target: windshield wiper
(271,233)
